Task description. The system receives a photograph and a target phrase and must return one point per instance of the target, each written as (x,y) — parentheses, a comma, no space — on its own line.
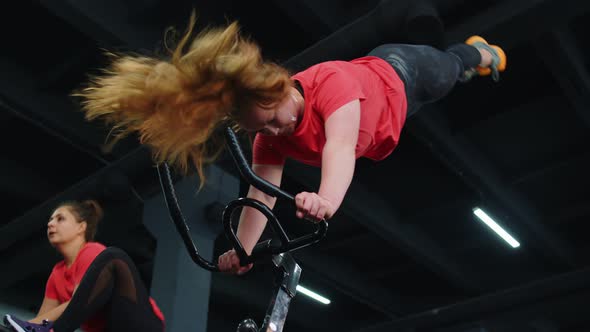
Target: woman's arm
(50,309)
(338,162)
(47,305)
(253,222)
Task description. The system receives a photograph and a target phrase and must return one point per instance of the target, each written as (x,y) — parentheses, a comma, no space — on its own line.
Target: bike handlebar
(262,249)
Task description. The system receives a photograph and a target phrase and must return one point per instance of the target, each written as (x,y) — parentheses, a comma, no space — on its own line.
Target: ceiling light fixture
(313,295)
(495,227)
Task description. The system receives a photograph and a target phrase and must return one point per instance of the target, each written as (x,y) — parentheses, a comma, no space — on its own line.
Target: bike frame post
(288,274)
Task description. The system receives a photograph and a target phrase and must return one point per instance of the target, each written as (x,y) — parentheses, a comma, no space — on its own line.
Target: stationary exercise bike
(277,248)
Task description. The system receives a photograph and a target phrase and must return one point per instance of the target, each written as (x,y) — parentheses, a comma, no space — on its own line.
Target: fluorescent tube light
(495,227)
(312,294)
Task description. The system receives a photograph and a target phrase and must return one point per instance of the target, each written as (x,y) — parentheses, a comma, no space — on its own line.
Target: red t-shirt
(328,86)
(63,280)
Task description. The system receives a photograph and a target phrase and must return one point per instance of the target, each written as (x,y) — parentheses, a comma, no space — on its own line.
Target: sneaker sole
(8,321)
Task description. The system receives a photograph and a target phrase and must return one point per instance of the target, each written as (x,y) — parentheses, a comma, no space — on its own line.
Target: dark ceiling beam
(351,281)
(35,220)
(552,168)
(329,12)
(77,60)
(356,38)
(299,12)
(574,212)
(561,54)
(321,18)
(487,306)
(106,22)
(477,172)
(81,21)
(55,115)
(19,181)
(383,24)
(380,217)
(512,22)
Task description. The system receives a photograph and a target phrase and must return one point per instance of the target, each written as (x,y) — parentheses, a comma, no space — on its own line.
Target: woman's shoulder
(93,247)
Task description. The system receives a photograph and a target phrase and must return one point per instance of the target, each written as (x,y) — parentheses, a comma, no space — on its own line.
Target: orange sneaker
(498,57)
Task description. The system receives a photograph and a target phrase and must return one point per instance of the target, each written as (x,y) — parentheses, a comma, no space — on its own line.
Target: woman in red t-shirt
(93,288)
(327,115)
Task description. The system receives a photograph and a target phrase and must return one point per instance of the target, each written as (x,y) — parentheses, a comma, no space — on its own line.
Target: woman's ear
(82,226)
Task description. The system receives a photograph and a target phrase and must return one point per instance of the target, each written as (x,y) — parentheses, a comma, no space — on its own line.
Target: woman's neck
(300,102)
(71,249)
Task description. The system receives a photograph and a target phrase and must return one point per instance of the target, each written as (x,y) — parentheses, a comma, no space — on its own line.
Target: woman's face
(63,226)
(279,120)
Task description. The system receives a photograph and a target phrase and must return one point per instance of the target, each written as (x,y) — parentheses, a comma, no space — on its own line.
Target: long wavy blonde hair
(176,104)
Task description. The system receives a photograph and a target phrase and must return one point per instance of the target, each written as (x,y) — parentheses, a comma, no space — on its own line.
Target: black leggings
(112,286)
(428,73)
